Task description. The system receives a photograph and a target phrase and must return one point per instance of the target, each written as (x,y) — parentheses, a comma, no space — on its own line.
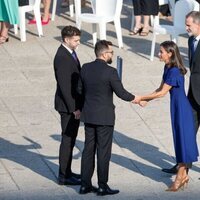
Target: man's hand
(77,114)
(136,100)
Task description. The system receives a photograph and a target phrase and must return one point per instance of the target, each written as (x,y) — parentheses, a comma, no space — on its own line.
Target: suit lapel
(195,55)
(196,50)
(71,57)
(189,50)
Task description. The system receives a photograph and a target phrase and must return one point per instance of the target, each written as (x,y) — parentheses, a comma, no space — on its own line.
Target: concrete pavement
(30,127)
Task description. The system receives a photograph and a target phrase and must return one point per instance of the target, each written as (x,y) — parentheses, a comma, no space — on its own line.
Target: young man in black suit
(193,28)
(98,82)
(68,101)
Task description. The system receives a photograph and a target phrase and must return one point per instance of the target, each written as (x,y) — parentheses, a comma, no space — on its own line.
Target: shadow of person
(149,153)
(146,170)
(23,155)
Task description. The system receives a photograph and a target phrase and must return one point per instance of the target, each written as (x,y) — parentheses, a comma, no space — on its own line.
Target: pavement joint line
(6,169)
(41,157)
(151,131)
(124,152)
(10,112)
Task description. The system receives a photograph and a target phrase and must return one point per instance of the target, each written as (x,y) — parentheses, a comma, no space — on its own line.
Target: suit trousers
(97,138)
(69,127)
(196,114)
(195,109)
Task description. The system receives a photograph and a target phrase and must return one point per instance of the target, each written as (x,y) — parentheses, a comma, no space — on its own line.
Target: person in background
(8,17)
(164,11)
(143,8)
(46,14)
(182,120)
(64,3)
(68,101)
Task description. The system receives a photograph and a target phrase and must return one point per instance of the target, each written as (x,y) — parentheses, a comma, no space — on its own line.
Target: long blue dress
(182,120)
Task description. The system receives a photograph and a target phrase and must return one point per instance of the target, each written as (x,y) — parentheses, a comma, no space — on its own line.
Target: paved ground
(30,128)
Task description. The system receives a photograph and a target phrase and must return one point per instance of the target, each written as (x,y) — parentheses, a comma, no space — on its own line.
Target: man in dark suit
(68,101)
(98,82)
(193,28)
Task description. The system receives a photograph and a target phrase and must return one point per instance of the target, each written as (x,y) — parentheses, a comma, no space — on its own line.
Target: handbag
(23,2)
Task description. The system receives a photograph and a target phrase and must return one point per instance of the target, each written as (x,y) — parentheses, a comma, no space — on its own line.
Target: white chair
(182,8)
(34,5)
(104,11)
(155,19)
(71,9)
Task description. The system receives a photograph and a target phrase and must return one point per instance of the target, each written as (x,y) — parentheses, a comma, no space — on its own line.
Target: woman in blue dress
(181,112)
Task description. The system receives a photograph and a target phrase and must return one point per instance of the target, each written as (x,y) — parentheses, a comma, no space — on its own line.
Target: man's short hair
(195,15)
(101,46)
(70,31)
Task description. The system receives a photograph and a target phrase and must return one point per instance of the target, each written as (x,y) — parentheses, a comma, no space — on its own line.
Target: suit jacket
(195,71)
(66,70)
(98,82)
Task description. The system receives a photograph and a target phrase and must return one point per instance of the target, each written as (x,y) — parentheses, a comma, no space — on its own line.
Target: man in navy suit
(98,82)
(193,28)
(68,101)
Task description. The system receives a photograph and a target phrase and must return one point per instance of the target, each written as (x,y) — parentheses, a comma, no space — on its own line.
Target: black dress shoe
(106,191)
(172,170)
(69,181)
(78,176)
(85,190)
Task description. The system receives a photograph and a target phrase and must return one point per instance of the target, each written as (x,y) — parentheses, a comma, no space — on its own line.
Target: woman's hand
(143,103)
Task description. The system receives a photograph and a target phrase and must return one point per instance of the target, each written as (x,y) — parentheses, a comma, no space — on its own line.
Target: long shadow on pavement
(23,155)
(149,153)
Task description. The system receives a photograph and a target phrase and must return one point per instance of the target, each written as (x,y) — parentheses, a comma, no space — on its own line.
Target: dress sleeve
(172,78)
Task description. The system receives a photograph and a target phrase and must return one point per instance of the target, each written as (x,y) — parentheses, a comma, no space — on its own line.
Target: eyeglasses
(112,52)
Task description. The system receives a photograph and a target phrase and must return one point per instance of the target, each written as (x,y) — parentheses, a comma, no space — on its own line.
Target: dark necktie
(193,46)
(75,57)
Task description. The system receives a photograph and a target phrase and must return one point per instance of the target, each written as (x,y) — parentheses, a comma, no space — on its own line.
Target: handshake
(138,100)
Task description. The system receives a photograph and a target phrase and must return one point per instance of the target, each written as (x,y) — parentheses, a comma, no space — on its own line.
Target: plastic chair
(71,9)
(104,11)
(34,5)
(182,8)
(155,19)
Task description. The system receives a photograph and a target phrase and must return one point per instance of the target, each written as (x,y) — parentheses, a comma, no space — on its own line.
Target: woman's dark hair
(70,31)
(101,46)
(175,59)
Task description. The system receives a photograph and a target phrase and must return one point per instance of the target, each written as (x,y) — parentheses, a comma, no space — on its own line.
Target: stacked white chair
(104,11)
(181,9)
(34,5)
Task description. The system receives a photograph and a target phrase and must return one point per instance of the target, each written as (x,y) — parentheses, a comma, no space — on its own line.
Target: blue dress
(182,120)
